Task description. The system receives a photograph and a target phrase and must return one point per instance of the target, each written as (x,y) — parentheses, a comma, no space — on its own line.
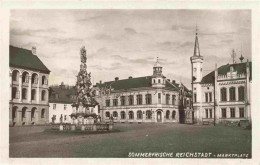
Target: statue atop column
(85,96)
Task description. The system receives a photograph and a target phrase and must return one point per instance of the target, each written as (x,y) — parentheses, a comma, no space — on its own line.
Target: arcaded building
(224,94)
(29,98)
(150,98)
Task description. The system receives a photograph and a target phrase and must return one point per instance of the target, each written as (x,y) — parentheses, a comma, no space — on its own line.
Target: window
(139,114)
(139,99)
(24,112)
(115,102)
(65,106)
(25,77)
(167,99)
(148,99)
(241,112)
(122,114)
(15,75)
(206,113)
(44,80)
(208,97)
(223,92)
(195,97)
(232,113)
(33,94)
(65,117)
(33,113)
(43,95)
(131,115)
(107,103)
(224,112)
(43,113)
(241,93)
(14,112)
(167,114)
(15,93)
(232,94)
(122,98)
(24,93)
(107,114)
(34,78)
(54,106)
(154,81)
(131,99)
(159,81)
(115,114)
(173,99)
(210,113)
(148,114)
(159,98)
(173,114)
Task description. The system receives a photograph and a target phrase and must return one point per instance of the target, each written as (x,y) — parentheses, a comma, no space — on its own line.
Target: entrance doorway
(159,116)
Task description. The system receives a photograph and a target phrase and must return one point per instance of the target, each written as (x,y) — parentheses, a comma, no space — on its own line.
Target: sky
(123,43)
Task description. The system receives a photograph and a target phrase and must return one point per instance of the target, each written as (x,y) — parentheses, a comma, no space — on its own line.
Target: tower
(158,80)
(196,62)
(196,76)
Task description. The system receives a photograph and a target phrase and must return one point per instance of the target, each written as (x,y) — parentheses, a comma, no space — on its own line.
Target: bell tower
(196,77)
(158,80)
(196,62)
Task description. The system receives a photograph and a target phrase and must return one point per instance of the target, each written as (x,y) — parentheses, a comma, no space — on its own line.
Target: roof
(139,82)
(223,70)
(62,95)
(24,58)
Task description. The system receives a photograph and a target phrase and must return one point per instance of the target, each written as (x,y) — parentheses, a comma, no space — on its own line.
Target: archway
(159,116)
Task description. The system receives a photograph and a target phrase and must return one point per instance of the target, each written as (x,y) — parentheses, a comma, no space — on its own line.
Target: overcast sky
(123,43)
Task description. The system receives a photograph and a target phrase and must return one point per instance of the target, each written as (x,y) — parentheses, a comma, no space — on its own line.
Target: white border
(65,4)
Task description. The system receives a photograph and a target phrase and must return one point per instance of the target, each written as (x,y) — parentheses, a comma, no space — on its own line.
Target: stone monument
(85,102)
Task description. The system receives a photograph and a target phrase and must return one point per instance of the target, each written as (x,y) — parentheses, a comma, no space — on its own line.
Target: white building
(223,95)
(29,99)
(60,104)
(150,98)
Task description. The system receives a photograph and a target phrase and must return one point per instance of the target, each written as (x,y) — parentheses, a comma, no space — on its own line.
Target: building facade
(29,101)
(61,99)
(224,94)
(143,99)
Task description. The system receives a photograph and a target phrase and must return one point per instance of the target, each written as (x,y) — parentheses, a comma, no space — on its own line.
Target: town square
(130,84)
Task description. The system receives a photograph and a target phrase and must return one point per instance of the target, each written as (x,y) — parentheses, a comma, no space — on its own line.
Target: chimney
(173,81)
(130,77)
(34,50)
(116,78)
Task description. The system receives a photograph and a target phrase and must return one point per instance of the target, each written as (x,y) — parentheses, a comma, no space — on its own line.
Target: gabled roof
(24,58)
(62,95)
(139,82)
(223,70)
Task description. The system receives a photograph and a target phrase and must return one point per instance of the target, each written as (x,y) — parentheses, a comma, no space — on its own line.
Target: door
(159,116)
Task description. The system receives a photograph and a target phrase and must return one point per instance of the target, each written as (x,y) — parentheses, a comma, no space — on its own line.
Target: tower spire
(241,57)
(233,55)
(196,47)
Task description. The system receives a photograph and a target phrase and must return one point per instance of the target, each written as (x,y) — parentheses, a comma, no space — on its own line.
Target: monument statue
(85,95)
